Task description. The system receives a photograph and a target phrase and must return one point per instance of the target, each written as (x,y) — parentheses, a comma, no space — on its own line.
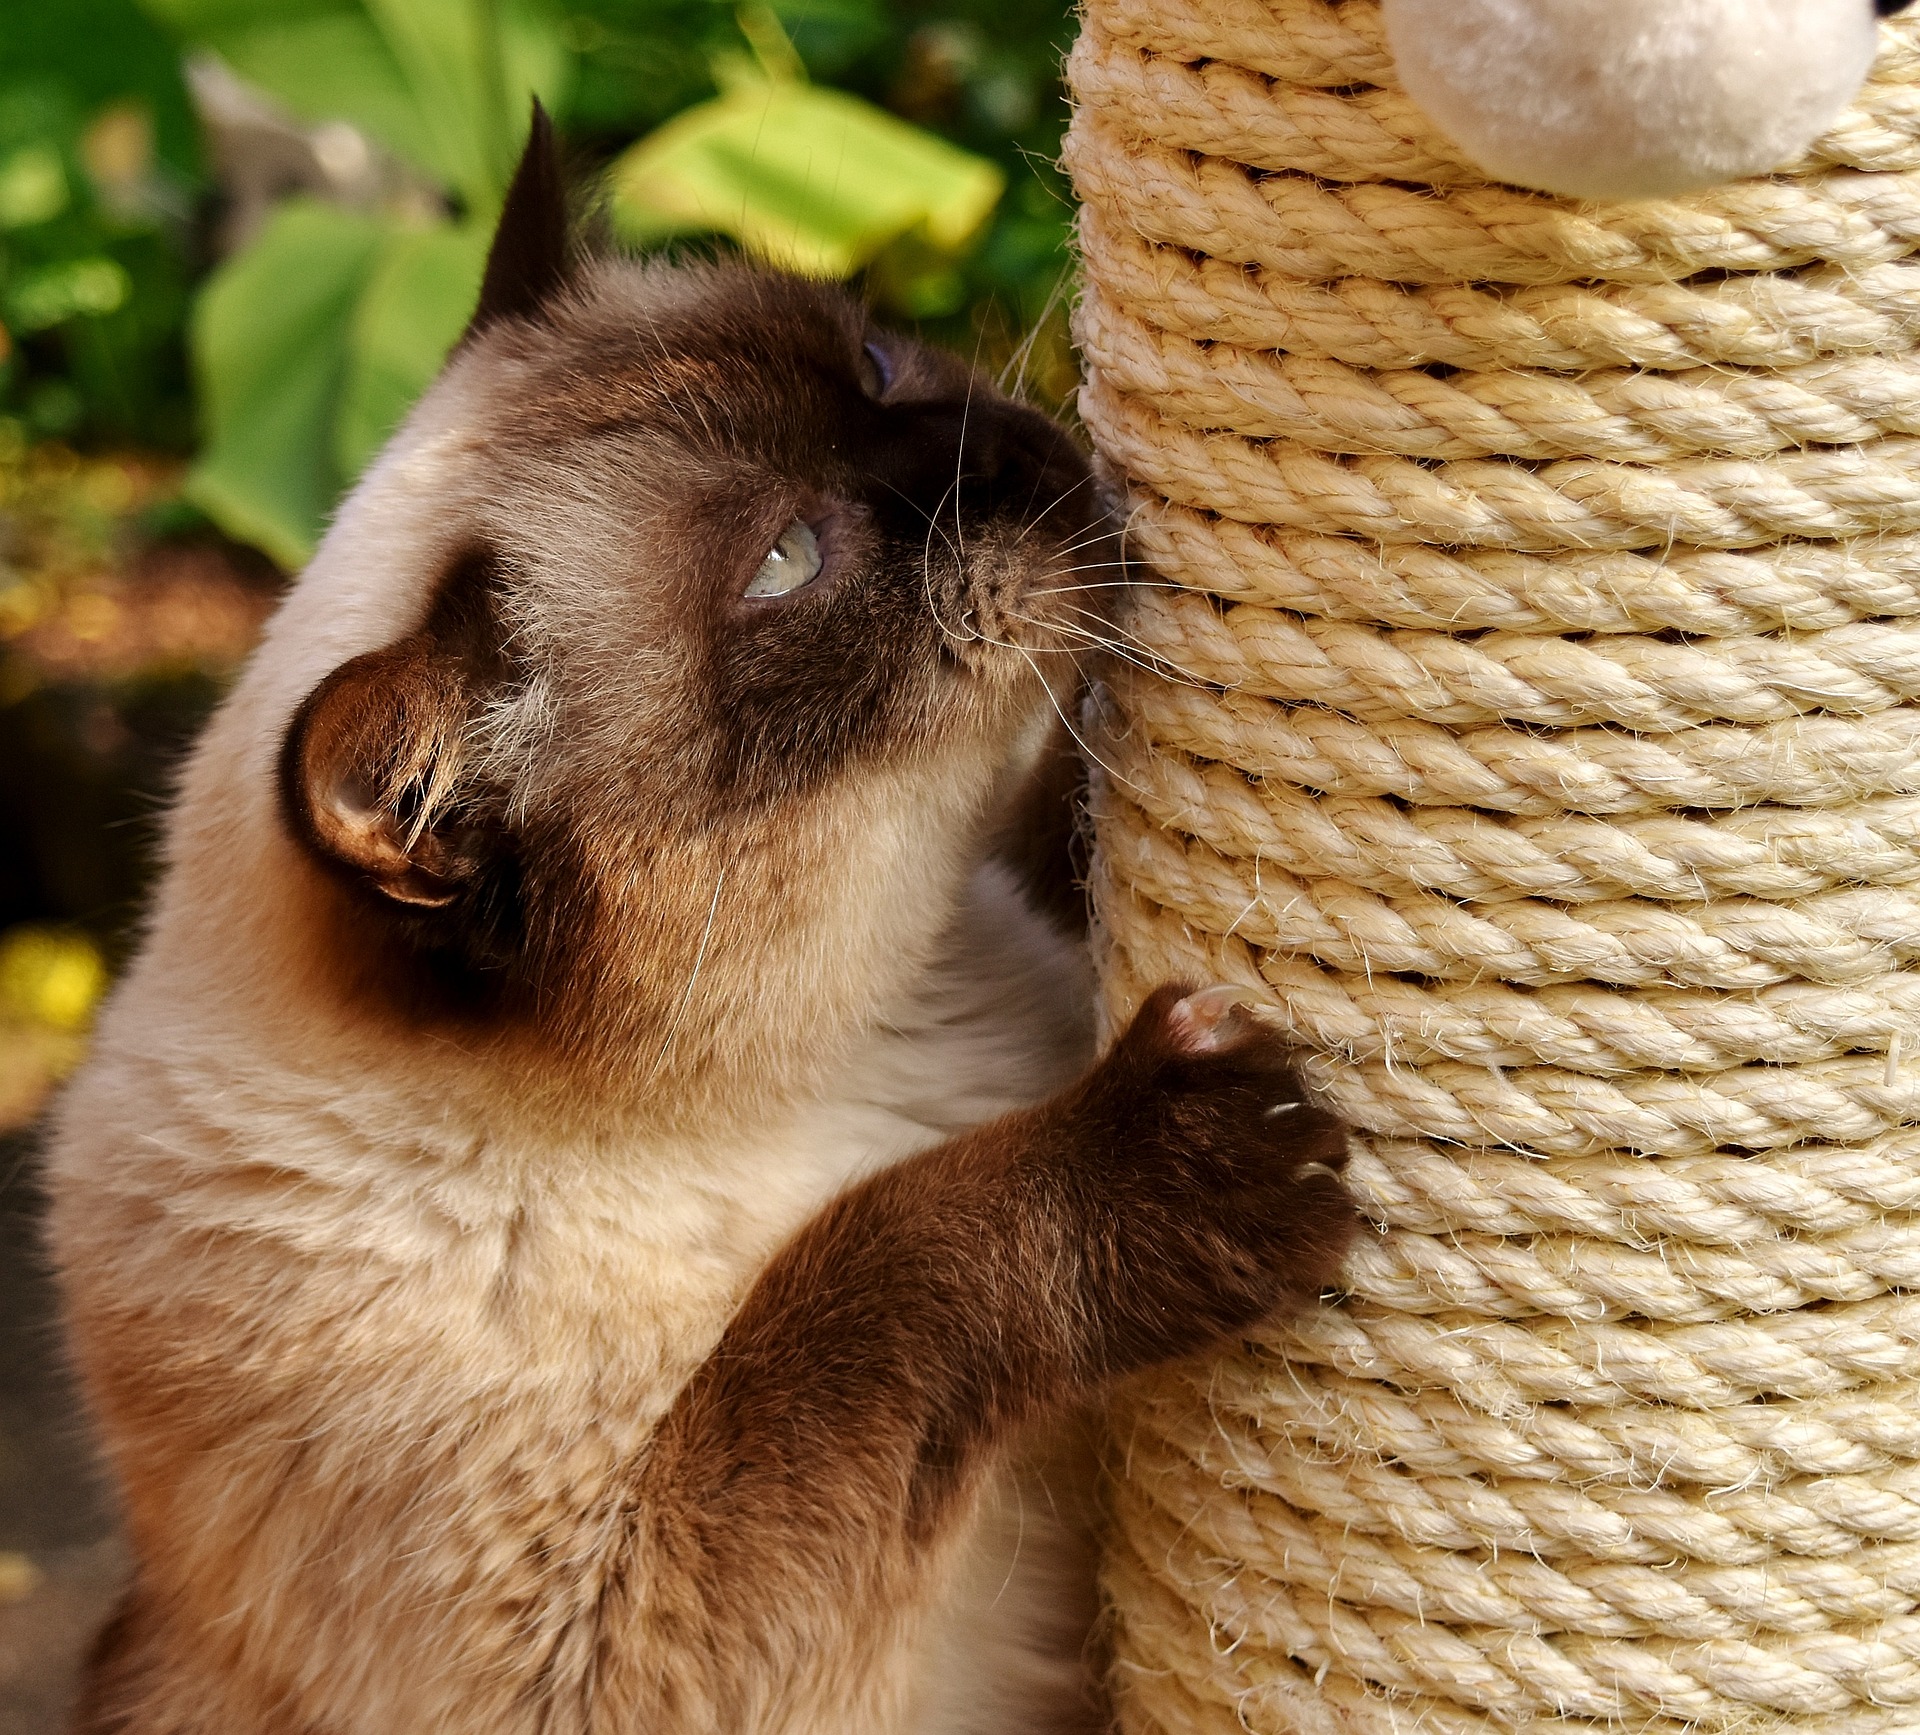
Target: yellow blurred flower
(50,976)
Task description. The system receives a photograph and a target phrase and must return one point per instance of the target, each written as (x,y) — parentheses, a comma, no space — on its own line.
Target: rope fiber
(1526,704)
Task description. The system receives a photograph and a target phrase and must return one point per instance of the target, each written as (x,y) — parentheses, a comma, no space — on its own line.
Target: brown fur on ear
(373,774)
(371,761)
(528,262)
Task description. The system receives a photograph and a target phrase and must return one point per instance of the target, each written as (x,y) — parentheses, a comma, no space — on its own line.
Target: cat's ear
(528,263)
(376,773)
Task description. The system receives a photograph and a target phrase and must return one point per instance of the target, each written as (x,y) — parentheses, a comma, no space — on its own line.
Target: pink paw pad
(1207,1020)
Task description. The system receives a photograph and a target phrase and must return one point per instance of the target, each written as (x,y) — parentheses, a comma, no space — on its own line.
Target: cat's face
(743,612)
(800,544)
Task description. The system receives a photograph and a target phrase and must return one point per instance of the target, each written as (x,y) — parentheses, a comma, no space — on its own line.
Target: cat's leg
(1044,837)
(790,1526)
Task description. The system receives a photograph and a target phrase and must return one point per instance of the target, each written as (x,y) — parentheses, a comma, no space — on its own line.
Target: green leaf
(537,64)
(336,66)
(59,291)
(271,334)
(416,303)
(33,186)
(811,179)
(101,52)
(206,20)
(444,84)
(450,52)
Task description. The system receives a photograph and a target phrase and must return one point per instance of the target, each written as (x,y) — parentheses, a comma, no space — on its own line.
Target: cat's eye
(791,562)
(876,371)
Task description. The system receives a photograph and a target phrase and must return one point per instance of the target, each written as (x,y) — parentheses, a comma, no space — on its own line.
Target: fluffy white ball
(1630,99)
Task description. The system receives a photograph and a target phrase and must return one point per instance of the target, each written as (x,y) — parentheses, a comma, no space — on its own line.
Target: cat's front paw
(1211,1183)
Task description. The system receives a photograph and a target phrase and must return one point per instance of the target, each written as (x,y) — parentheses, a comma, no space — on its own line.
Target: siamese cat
(595,1208)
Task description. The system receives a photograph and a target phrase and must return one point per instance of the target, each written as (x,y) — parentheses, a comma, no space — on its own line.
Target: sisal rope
(1531,713)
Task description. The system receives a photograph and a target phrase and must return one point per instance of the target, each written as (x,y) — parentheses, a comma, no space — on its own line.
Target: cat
(595,1207)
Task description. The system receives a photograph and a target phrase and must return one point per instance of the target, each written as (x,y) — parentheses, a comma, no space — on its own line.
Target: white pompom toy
(1631,99)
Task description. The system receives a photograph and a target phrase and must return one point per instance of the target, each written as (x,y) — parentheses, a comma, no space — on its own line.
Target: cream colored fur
(372,1328)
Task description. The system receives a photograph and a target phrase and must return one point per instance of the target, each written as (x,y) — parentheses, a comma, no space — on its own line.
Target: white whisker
(1079,740)
(1024,353)
(926,560)
(1034,520)
(1138,655)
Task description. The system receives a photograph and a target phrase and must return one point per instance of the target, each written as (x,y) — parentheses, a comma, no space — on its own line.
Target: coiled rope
(1531,713)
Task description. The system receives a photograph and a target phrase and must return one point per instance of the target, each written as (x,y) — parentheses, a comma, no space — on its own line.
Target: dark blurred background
(237,238)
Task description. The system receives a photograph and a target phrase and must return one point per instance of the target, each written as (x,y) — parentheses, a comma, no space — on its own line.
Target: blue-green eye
(791,562)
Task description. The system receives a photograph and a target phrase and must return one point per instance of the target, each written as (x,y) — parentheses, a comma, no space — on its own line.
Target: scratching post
(1531,714)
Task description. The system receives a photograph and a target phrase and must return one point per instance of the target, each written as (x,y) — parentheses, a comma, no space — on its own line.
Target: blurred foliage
(99,173)
(441,83)
(120,620)
(810,179)
(312,342)
(838,136)
(982,74)
(310,346)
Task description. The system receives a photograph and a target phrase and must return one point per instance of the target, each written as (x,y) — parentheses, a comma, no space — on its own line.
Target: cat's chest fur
(403,1281)
(1002,1020)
